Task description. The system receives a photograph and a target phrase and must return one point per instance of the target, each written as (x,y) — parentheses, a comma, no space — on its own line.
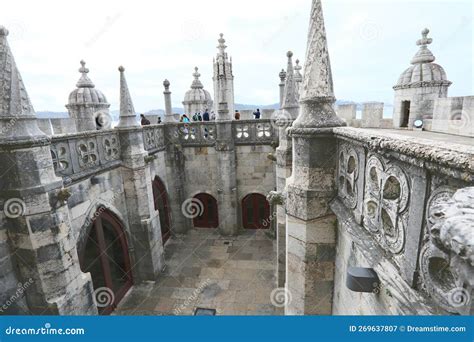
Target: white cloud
(371,43)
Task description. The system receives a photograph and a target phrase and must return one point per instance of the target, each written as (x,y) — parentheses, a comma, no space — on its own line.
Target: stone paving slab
(234,275)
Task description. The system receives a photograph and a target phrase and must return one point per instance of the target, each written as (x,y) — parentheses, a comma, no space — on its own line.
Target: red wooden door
(255,212)
(207,214)
(105,256)
(160,198)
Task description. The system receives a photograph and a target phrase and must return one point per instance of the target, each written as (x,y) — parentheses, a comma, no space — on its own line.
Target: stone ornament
(88,154)
(60,155)
(447,257)
(111,146)
(386,200)
(348,175)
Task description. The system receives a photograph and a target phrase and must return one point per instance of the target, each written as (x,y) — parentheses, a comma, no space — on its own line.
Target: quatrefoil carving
(386,200)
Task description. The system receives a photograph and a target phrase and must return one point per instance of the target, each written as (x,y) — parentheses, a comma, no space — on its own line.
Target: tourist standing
(185,118)
(213,116)
(257,114)
(205,116)
(237,115)
(144,121)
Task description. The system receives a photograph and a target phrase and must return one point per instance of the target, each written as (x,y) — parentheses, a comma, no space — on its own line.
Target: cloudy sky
(370,41)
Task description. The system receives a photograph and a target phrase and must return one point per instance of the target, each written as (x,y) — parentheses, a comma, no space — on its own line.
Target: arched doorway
(105,256)
(207,216)
(255,212)
(160,198)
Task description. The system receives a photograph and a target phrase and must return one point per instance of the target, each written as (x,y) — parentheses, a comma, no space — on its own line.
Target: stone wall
(454,115)
(389,189)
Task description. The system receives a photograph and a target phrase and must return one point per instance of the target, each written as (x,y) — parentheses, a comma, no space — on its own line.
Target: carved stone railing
(154,138)
(80,154)
(254,132)
(195,133)
(397,189)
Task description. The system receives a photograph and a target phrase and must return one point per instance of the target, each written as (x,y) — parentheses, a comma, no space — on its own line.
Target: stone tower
(223,78)
(35,212)
(197,99)
(310,224)
(418,86)
(87,106)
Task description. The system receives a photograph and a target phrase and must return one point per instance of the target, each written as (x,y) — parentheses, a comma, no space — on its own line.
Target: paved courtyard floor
(233,275)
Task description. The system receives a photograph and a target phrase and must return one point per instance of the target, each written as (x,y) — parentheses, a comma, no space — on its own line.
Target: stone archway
(255,212)
(207,211)
(160,199)
(105,255)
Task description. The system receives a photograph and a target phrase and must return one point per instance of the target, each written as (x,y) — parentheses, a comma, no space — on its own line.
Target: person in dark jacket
(205,116)
(237,115)
(257,114)
(145,121)
(199,117)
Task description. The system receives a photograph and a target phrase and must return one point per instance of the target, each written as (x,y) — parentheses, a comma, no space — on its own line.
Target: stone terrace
(234,275)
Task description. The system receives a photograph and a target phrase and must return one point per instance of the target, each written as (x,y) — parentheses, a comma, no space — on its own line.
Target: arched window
(255,212)
(160,198)
(206,214)
(105,256)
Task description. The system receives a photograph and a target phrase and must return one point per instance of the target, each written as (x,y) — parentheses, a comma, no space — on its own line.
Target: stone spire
(424,55)
(290,98)
(17,116)
(168,109)
(127,112)
(317,92)
(223,78)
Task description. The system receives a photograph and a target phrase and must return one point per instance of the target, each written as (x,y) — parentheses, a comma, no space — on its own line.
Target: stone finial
(3,31)
(221,45)
(127,111)
(298,67)
(316,90)
(84,81)
(166,84)
(282,75)
(196,82)
(424,55)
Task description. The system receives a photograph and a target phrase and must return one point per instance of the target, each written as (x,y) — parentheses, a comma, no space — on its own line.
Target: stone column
(287,115)
(34,208)
(226,162)
(143,220)
(168,109)
(311,226)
